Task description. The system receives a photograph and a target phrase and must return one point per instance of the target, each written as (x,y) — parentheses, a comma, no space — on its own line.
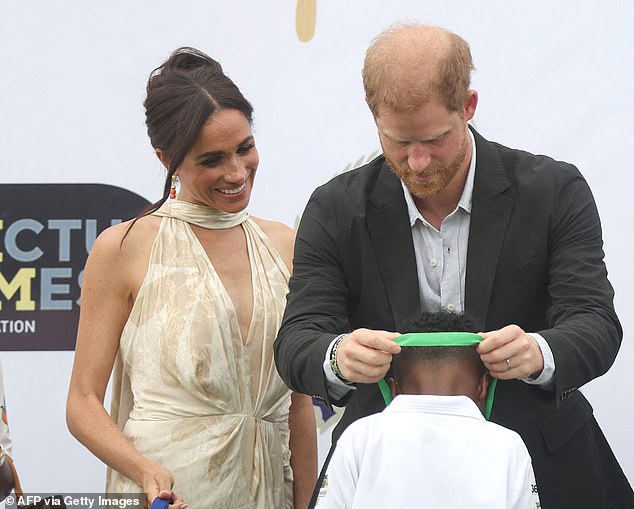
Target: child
(432,447)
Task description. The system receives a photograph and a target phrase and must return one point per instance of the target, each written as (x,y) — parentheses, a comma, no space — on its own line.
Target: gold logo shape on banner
(305,19)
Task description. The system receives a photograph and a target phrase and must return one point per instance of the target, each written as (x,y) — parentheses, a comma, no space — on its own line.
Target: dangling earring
(173,188)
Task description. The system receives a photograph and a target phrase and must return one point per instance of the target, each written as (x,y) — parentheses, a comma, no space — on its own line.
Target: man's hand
(364,355)
(511,353)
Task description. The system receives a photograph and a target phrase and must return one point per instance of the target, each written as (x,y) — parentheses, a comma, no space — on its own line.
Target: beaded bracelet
(333,360)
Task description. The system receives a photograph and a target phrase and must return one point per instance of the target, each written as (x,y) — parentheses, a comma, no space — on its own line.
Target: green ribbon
(440,339)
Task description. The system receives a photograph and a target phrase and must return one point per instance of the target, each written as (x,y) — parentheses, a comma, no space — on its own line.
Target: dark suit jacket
(534,259)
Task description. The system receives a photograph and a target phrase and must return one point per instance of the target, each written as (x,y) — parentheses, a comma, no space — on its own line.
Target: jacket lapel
(388,224)
(491,210)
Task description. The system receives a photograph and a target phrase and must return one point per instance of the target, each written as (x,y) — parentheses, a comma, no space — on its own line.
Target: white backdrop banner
(552,77)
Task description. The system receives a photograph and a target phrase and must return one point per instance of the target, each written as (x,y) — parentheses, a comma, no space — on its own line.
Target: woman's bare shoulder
(282,237)
(276,231)
(125,242)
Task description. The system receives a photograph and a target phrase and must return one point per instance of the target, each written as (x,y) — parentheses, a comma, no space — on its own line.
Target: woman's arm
(303,445)
(106,300)
(301,419)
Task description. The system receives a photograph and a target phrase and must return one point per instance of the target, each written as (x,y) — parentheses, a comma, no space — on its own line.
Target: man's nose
(418,157)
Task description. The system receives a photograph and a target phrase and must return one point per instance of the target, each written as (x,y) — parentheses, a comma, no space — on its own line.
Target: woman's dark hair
(182,95)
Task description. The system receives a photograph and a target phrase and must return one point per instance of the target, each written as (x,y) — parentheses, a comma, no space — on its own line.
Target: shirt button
(450,307)
(433,262)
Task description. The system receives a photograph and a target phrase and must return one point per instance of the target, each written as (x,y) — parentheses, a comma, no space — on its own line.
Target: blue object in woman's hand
(160,503)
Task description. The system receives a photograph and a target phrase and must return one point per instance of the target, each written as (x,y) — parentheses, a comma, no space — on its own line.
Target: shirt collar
(444,405)
(467,193)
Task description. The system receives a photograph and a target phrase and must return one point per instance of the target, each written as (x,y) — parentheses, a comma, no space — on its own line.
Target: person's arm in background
(7,481)
(303,445)
(105,306)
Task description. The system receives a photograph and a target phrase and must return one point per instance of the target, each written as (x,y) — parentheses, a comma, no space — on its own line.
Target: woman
(190,295)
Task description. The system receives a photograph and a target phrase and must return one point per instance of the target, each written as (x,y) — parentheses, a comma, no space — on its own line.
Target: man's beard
(443,174)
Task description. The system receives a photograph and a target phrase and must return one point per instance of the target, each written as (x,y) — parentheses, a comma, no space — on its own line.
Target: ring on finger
(508,364)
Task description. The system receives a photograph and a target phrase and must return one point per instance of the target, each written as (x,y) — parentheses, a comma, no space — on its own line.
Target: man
(432,443)
(448,220)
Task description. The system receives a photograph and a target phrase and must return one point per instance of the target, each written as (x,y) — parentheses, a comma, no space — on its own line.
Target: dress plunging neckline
(214,219)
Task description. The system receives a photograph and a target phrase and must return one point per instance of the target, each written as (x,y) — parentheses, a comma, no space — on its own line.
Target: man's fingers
(378,340)
(371,357)
(369,375)
(494,340)
(365,355)
(365,362)
(368,348)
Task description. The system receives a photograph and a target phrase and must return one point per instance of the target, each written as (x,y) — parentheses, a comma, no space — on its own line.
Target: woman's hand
(157,483)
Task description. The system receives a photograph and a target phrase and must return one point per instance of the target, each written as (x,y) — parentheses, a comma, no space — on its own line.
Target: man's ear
(470,105)
(162,157)
(393,387)
(483,387)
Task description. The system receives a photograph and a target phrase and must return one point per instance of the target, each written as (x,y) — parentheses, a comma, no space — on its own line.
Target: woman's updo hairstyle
(182,95)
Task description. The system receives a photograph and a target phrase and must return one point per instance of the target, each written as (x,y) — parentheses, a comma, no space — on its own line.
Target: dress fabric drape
(189,391)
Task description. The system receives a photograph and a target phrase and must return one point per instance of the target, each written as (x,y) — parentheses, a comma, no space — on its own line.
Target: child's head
(440,370)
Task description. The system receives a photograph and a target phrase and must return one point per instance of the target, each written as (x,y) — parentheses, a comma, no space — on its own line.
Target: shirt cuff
(336,387)
(545,378)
